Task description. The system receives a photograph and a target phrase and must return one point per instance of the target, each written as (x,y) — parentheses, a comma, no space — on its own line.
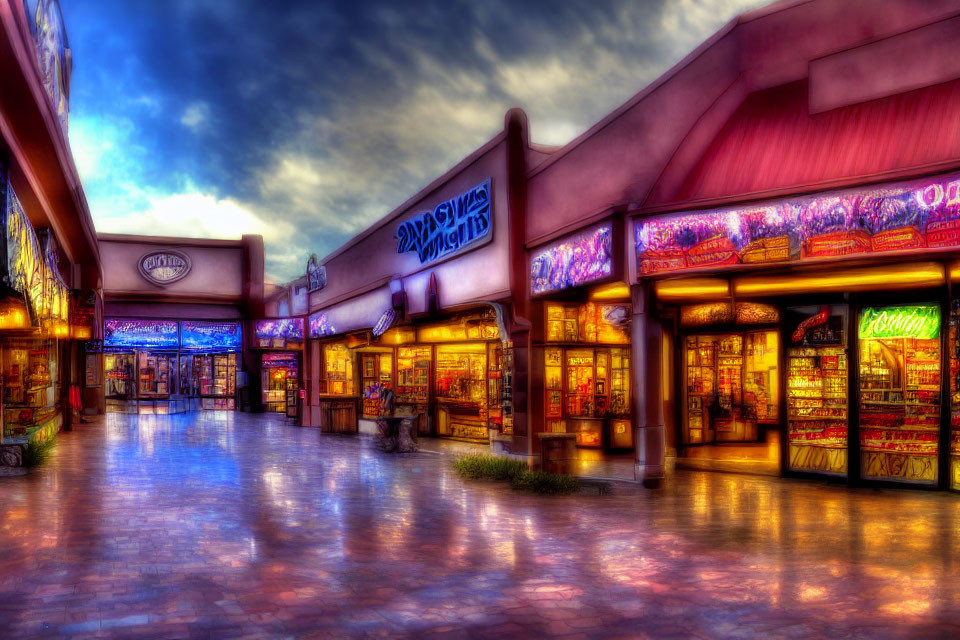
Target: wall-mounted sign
(280,360)
(452,225)
(920,321)
(154,334)
(164,267)
(574,261)
(915,216)
(316,274)
(279,332)
(53,53)
(213,336)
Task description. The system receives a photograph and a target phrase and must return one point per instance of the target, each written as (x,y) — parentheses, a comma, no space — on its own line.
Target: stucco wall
(216,271)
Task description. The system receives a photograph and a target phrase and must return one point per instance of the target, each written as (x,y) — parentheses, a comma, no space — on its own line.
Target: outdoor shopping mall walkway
(223,526)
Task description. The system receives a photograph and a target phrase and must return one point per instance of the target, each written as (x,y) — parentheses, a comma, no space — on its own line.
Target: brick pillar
(646,399)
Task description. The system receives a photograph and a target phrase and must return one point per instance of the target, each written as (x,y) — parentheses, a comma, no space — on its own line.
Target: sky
(308,120)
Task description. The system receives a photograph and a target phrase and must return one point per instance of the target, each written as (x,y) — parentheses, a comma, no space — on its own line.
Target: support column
(646,398)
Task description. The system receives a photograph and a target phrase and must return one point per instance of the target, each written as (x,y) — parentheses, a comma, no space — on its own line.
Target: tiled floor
(228,526)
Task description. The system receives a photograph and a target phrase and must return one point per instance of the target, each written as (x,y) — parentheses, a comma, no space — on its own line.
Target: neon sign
(452,225)
(920,321)
(157,334)
(211,335)
(913,216)
(577,260)
(283,328)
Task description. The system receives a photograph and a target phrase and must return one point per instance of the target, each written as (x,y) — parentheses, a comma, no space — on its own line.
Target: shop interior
(448,374)
(280,372)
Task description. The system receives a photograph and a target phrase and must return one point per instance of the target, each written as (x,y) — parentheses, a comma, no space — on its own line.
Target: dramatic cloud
(309,122)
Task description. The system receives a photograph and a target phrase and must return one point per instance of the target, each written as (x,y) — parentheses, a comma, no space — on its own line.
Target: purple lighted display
(211,336)
(155,334)
(320,326)
(574,261)
(905,217)
(280,328)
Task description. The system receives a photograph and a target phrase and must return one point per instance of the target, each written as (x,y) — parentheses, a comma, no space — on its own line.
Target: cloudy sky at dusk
(306,121)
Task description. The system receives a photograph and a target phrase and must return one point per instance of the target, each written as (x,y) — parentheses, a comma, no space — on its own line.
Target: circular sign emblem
(164,267)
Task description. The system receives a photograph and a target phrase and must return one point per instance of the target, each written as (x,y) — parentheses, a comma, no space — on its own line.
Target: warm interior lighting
(14,318)
(691,289)
(612,291)
(900,276)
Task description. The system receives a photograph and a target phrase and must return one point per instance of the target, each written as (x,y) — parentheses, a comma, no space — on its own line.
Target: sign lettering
(452,224)
(917,321)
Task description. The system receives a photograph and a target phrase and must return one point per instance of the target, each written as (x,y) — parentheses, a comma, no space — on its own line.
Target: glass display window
(732,384)
(118,374)
(338,369)
(589,323)
(461,373)
(376,383)
(817,394)
(156,374)
(29,387)
(495,385)
(413,375)
(899,350)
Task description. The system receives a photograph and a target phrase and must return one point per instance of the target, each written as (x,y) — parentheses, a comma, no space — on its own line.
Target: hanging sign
(384,322)
(452,225)
(316,274)
(50,40)
(164,267)
(920,321)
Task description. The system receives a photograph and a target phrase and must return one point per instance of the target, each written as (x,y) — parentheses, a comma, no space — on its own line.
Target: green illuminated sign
(921,321)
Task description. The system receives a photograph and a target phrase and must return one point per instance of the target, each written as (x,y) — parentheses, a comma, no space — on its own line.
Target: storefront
(280,341)
(177,309)
(402,323)
(165,366)
(804,364)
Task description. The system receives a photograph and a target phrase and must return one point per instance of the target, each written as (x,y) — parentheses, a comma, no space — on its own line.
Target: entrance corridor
(227,525)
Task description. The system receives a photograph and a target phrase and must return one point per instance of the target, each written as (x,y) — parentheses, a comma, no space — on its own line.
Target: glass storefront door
(817,395)
(899,351)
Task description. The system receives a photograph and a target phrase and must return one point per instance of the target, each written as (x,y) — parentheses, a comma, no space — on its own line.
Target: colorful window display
(337,370)
(413,382)
(580,259)
(216,379)
(279,333)
(732,386)
(913,216)
(119,376)
(376,384)
(955,394)
(817,394)
(30,389)
(899,350)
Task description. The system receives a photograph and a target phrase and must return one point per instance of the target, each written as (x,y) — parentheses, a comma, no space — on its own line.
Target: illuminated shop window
(338,369)
(817,395)
(590,323)
(900,392)
(732,385)
(376,383)
(714,313)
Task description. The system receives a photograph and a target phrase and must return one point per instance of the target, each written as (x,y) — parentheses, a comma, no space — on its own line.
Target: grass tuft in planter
(544,482)
(36,452)
(483,466)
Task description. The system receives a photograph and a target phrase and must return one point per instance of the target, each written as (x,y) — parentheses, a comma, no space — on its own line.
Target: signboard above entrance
(917,216)
(452,225)
(920,321)
(574,261)
(164,267)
